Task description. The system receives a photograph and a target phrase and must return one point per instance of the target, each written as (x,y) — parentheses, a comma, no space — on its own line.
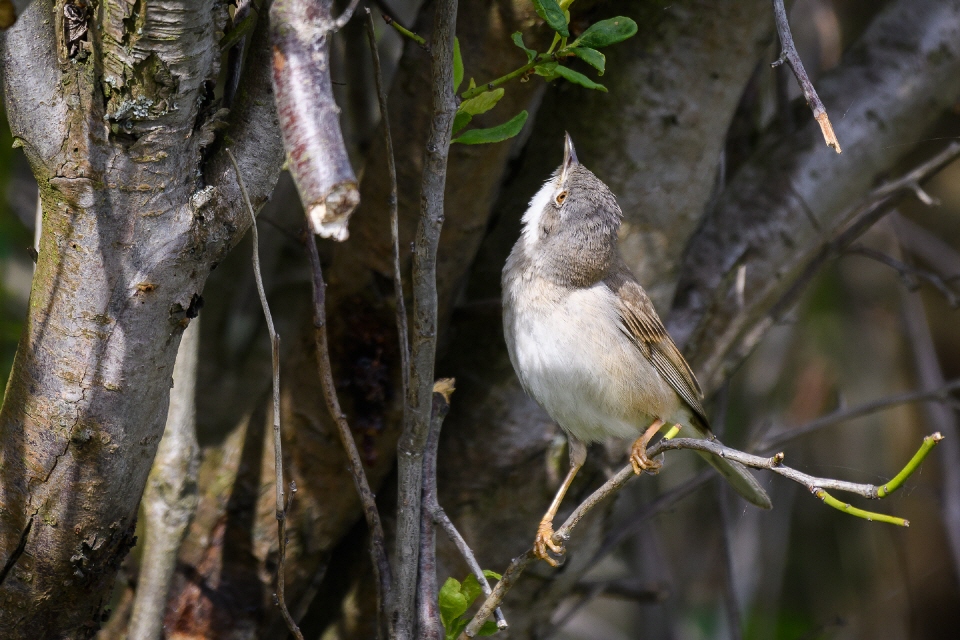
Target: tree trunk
(117,130)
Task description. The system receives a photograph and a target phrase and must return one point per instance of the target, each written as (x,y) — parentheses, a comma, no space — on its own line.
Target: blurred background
(879,321)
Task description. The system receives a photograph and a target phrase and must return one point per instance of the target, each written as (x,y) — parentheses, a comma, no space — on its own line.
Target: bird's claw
(543,544)
(641,463)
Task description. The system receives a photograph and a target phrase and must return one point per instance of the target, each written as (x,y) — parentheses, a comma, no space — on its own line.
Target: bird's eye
(561,197)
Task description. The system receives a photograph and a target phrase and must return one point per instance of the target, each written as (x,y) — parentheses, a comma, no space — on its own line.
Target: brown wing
(640,322)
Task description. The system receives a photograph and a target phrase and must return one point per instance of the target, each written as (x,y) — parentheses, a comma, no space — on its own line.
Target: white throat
(531,218)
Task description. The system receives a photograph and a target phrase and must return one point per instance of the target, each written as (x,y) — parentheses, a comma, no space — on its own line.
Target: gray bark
(116,138)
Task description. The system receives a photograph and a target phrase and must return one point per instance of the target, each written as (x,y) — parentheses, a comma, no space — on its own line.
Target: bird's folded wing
(640,322)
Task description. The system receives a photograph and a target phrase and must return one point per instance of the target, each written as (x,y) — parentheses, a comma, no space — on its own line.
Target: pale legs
(543,543)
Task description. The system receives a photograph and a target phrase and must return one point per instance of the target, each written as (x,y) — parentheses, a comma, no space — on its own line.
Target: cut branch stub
(309,116)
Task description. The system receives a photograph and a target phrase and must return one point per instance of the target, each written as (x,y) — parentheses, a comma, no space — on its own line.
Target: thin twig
(416,423)
(403,31)
(817,486)
(401,307)
(909,273)
(788,54)
(941,394)
(431,503)
(861,217)
(277,446)
(427,593)
(378,545)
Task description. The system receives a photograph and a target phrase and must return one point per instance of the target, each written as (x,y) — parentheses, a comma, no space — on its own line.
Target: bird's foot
(543,544)
(640,461)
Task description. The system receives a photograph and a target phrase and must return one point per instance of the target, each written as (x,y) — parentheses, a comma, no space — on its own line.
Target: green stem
(928,443)
(405,32)
(480,88)
(860,513)
(541,57)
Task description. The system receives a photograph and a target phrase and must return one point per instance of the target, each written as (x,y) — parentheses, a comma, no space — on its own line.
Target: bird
(586,342)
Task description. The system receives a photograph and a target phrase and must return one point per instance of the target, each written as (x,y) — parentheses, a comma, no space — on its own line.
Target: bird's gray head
(570,227)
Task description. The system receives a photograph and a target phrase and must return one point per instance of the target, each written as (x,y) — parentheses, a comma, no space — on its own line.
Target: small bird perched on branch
(585,339)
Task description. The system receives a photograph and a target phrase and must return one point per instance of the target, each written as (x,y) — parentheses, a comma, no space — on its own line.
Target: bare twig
(939,416)
(416,425)
(378,547)
(817,486)
(909,273)
(309,116)
(878,203)
(940,394)
(171,497)
(788,54)
(431,505)
(427,594)
(401,306)
(277,446)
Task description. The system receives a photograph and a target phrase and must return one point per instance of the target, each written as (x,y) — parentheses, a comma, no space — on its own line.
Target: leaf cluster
(455,598)
(477,100)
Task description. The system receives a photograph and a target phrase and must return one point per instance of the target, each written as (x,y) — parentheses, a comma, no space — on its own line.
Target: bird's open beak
(569,157)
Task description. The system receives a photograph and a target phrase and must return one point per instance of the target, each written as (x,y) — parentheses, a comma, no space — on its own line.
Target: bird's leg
(543,544)
(638,452)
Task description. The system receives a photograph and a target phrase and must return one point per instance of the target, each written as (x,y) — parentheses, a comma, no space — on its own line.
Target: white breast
(568,351)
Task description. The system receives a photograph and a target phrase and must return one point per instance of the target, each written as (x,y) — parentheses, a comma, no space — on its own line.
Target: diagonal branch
(378,546)
(817,486)
(788,54)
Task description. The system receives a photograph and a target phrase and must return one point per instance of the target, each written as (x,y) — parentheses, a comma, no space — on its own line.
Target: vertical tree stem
(171,495)
(277,445)
(419,395)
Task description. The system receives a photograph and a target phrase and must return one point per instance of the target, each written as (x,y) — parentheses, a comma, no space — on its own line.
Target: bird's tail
(735,473)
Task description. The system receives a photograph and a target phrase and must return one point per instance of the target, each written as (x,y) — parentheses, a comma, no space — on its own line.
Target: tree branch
(378,547)
(171,495)
(789,55)
(281,504)
(417,412)
(402,329)
(817,486)
(309,120)
(940,394)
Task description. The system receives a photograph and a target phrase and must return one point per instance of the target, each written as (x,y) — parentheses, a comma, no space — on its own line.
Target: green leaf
(470,588)
(499,133)
(606,32)
(518,40)
(457,65)
(492,575)
(488,629)
(461,120)
(551,12)
(578,78)
(481,103)
(592,57)
(547,70)
(452,603)
(459,626)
